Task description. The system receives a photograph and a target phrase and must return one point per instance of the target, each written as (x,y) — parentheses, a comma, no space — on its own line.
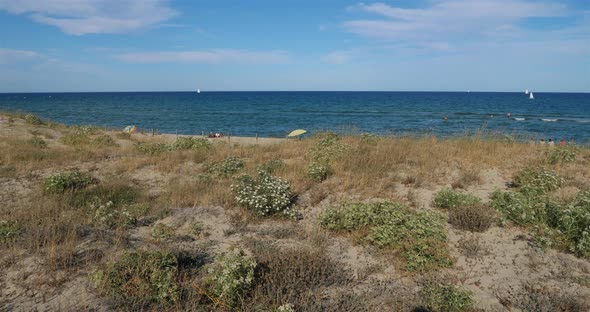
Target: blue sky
(176,45)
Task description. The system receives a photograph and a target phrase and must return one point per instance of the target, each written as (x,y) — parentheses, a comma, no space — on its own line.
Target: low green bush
(418,237)
(448,199)
(110,215)
(187,143)
(537,178)
(230,276)
(8,230)
(67,180)
(561,154)
(524,208)
(33,120)
(75,139)
(151,149)
(328,147)
(226,167)
(440,295)
(318,172)
(272,165)
(38,142)
(104,140)
(264,195)
(574,223)
(140,278)
(161,231)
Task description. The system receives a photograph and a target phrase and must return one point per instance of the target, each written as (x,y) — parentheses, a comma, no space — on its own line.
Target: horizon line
(343,91)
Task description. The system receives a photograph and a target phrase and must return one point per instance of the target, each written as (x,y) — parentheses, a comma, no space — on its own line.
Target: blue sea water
(274,114)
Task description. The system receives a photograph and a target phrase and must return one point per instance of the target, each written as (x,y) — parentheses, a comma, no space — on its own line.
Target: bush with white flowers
(230,277)
(265,194)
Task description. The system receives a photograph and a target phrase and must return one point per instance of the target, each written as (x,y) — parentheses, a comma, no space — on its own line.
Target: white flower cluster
(287,307)
(265,195)
(231,276)
(108,215)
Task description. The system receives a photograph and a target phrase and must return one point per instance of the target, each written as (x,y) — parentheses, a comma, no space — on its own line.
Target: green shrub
(272,165)
(540,179)
(574,222)
(476,218)
(110,216)
(38,142)
(104,140)
(525,207)
(369,138)
(419,237)
(230,276)
(318,172)
(561,154)
(140,278)
(448,199)
(226,167)
(327,148)
(67,180)
(85,130)
(8,230)
(33,120)
(187,143)
(74,139)
(161,231)
(151,149)
(439,295)
(265,194)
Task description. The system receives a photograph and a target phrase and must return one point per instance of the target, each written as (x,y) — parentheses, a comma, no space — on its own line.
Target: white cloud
(448,18)
(215,56)
(338,57)
(82,17)
(9,56)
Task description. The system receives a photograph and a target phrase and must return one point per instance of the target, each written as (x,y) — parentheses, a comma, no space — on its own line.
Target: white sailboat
(531,97)
(198,90)
(526,91)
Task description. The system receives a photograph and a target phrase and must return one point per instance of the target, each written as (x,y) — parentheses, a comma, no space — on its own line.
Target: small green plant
(327,148)
(110,216)
(540,179)
(161,231)
(272,165)
(104,140)
(8,230)
(74,139)
(141,278)
(440,295)
(318,172)
(574,223)
(187,143)
(38,142)
(418,237)
(523,208)
(67,180)
(151,149)
(196,228)
(33,120)
(227,167)
(477,218)
(448,199)
(230,276)
(265,194)
(561,155)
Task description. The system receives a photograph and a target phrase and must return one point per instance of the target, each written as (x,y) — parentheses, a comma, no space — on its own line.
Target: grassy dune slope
(96,219)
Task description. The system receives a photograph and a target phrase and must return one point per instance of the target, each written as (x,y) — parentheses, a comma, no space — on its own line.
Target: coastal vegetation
(93,217)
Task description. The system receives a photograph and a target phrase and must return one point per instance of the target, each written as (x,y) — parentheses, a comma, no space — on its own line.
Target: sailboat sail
(531,96)
(198,90)
(527,91)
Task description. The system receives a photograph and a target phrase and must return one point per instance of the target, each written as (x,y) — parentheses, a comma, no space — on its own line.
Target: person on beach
(508,115)
(562,142)
(542,142)
(211,135)
(551,143)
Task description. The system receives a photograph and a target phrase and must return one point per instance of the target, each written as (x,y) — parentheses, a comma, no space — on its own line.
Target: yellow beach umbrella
(296,133)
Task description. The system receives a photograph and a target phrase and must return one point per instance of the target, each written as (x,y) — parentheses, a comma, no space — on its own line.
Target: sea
(554,116)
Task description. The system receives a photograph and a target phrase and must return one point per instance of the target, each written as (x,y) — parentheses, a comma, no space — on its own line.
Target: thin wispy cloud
(338,57)
(447,19)
(82,17)
(214,56)
(10,56)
